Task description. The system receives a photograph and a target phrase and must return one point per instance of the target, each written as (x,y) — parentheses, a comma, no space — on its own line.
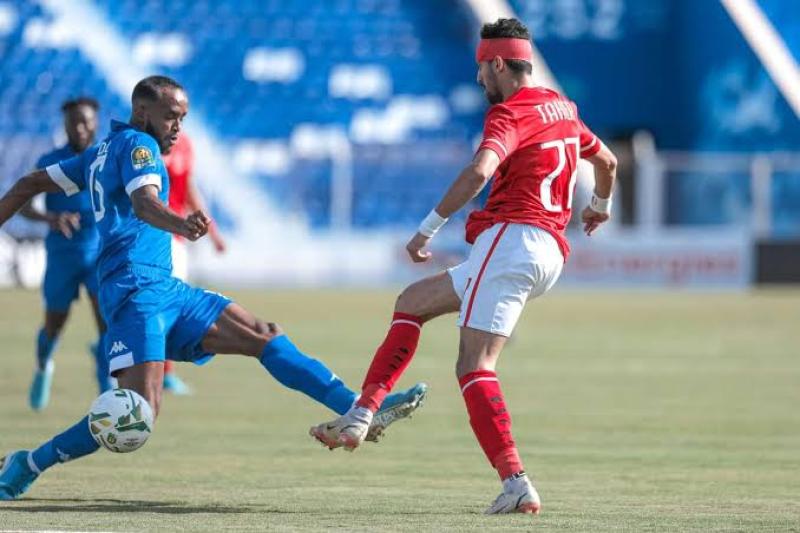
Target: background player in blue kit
(72,245)
(151,315)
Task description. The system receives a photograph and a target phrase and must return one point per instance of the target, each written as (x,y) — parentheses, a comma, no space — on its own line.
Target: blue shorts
(68,269)
(152,316)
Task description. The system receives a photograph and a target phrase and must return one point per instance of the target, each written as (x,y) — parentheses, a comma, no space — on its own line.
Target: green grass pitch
(634,411)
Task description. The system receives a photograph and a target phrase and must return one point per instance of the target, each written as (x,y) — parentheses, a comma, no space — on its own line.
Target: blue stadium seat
(396,52)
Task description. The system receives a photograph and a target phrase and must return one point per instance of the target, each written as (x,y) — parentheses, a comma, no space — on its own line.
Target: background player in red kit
(531,144)
(183,198)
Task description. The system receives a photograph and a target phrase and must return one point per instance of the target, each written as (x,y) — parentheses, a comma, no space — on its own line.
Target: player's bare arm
(469,183)
(605,174)
(65,222)
(149,208)
(23,191)
(195,202)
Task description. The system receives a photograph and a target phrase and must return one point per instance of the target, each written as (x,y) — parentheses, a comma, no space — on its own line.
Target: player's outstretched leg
(46,341)
(421,301)
(491,421)
(20,469)
(238,331)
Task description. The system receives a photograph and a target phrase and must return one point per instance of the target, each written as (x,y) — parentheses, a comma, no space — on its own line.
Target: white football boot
(359,424)
(518,496)
(349,430)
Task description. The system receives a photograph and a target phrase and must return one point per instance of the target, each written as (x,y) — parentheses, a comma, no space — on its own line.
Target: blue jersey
(84,238)
(125,161)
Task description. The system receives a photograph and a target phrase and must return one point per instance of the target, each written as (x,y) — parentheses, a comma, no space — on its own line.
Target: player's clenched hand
(415,248)
(196,225)
(592,219)
(66,223)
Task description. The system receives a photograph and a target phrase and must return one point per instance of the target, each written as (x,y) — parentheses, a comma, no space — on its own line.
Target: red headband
(488,49)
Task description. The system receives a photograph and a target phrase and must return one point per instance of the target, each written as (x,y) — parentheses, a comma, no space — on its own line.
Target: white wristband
(431,224)
(600,205)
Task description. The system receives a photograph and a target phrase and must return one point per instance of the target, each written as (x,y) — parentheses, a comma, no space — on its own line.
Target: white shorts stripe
(142,181)
(121,361)
(409,322)
(468,383)
(61,179)
(498,143)
(525,262)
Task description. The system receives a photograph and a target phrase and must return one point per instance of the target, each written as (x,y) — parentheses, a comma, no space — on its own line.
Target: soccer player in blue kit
(72,246)
(151,315)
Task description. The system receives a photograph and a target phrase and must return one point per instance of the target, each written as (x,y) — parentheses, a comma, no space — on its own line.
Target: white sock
(360,414)
(514,481)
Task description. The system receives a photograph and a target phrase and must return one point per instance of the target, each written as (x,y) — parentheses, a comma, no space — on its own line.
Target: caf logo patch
(142,157)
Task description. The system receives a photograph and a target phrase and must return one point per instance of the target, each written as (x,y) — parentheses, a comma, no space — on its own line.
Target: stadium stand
(371,68)
(396,79)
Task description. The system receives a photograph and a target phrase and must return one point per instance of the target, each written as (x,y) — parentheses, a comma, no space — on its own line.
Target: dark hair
(150,87)
(509,29)
(69,105)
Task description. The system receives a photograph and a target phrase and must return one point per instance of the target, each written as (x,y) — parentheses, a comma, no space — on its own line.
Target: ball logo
(121,420)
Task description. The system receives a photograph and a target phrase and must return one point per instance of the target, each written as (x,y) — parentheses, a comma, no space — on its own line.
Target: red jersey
(179,163)
(539,138)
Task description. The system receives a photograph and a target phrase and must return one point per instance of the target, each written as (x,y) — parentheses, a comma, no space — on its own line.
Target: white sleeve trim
(57,175)
(498,143)
(141,181)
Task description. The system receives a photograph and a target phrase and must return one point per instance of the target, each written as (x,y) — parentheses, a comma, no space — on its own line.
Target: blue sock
(75,442)
(44,348)
(295,370)
(101,364)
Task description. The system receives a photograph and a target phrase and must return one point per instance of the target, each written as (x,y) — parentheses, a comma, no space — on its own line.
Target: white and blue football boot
(39,395)
(175,385)
(16,475)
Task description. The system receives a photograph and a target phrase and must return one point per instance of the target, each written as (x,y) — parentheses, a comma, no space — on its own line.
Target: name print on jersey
(555,110)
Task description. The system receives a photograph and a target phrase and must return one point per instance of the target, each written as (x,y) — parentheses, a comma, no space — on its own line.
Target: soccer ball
(120,420)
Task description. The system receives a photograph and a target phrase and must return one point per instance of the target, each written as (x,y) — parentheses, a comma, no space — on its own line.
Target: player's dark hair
(150,87)
(69,105)
(509,29)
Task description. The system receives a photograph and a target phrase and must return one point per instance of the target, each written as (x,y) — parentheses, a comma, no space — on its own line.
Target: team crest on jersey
(142,157)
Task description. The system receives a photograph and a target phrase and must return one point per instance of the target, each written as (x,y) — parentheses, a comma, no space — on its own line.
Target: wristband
(600,205)
(431,224)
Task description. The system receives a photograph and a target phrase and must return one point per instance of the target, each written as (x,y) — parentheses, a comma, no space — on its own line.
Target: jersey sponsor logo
(142,157)
(117,347)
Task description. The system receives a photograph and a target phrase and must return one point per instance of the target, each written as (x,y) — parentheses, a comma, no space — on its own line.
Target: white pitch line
(50,531)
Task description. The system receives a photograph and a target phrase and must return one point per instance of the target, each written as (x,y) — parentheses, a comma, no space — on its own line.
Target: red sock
(391,360)
(490,421)
(168,367)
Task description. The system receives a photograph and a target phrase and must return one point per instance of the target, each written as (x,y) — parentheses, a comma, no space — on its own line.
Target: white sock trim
(409,322)
(32,465)
(467,384)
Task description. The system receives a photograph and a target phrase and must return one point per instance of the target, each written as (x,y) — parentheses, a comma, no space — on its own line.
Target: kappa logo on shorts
(117,347)
(142,157)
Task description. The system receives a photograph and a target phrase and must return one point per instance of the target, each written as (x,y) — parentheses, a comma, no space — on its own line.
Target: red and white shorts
(508,265)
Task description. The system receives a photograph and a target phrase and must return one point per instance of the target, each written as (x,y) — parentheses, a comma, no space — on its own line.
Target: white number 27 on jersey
(546,191)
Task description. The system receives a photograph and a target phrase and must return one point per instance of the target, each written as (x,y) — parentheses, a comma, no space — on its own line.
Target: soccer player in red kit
(184,198)
(531,145)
